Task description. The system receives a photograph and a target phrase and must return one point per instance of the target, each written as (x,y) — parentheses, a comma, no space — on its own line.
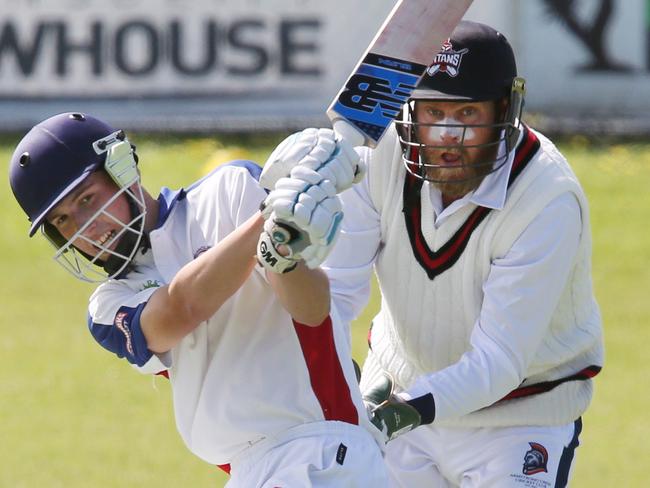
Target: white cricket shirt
(248,373)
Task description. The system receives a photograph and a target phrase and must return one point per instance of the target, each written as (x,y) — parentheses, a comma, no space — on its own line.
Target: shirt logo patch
(123,326)
(535,460)
(150,284)
(447,60)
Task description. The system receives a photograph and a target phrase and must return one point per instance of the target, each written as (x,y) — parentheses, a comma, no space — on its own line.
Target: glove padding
(268,254)
(304,216)
(314,150)
(390,414)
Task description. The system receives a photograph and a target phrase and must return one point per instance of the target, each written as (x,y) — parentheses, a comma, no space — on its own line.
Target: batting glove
(390,414)
(306,217)
(268,254)
(314,150)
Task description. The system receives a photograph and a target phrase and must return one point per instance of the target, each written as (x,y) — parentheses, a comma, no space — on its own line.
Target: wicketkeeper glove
(389,413)
(314,150)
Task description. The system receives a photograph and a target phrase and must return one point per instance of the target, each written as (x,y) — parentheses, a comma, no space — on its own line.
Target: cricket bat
(388,72)
(391,67)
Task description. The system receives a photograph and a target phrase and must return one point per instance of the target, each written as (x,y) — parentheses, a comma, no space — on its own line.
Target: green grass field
(72,415)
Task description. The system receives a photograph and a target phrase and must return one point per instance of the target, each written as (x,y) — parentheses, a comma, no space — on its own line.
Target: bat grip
(348,132)
(280,234)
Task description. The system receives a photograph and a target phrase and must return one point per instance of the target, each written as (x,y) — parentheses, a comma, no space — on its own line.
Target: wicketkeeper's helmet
(477,64)
(53,159)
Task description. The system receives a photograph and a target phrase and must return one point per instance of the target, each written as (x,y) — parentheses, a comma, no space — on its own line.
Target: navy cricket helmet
(476,64)
(53,158)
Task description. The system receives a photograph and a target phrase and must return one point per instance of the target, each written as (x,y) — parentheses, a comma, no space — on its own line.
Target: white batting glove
(317,150)
(268,254)
(312,211)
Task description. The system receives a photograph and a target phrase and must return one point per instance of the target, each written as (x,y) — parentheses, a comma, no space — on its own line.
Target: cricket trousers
(496,457)
(321,454)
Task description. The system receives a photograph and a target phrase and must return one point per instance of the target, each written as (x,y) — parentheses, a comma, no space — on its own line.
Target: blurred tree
(592,35)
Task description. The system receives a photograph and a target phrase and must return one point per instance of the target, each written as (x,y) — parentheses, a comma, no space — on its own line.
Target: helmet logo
(447,60)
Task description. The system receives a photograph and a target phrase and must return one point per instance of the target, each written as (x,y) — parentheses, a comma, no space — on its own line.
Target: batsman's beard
(456,179)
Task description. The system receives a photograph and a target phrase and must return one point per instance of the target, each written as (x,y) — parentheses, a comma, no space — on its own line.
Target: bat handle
(280,234)
(285,234)
(351,134)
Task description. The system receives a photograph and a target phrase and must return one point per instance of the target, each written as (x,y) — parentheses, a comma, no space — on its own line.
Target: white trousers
(503,457)
(322,454)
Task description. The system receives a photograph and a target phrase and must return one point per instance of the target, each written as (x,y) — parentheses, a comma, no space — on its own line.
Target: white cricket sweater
(425,325)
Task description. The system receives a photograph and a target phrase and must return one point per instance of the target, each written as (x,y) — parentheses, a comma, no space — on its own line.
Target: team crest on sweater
(535,459)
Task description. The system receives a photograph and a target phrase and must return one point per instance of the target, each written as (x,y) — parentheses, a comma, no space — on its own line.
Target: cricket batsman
(191,285)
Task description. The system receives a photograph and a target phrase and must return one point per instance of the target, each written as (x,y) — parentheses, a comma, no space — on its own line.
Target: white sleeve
(520,295)
(350,264)
(232,189)
(238,194)
(246,195)
(114,321)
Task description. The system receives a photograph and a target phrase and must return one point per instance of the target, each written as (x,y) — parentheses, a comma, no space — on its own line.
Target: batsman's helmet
(475,64)
(53,159)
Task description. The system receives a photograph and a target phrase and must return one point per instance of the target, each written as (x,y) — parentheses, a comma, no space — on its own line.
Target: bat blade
(391,67)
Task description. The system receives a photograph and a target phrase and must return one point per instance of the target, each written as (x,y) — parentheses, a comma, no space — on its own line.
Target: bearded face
(459,143)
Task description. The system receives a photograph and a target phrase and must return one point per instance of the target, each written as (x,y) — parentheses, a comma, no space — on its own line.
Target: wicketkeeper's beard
(456,178)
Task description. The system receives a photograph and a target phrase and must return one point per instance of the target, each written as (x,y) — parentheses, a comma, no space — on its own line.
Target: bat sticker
(376,92)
